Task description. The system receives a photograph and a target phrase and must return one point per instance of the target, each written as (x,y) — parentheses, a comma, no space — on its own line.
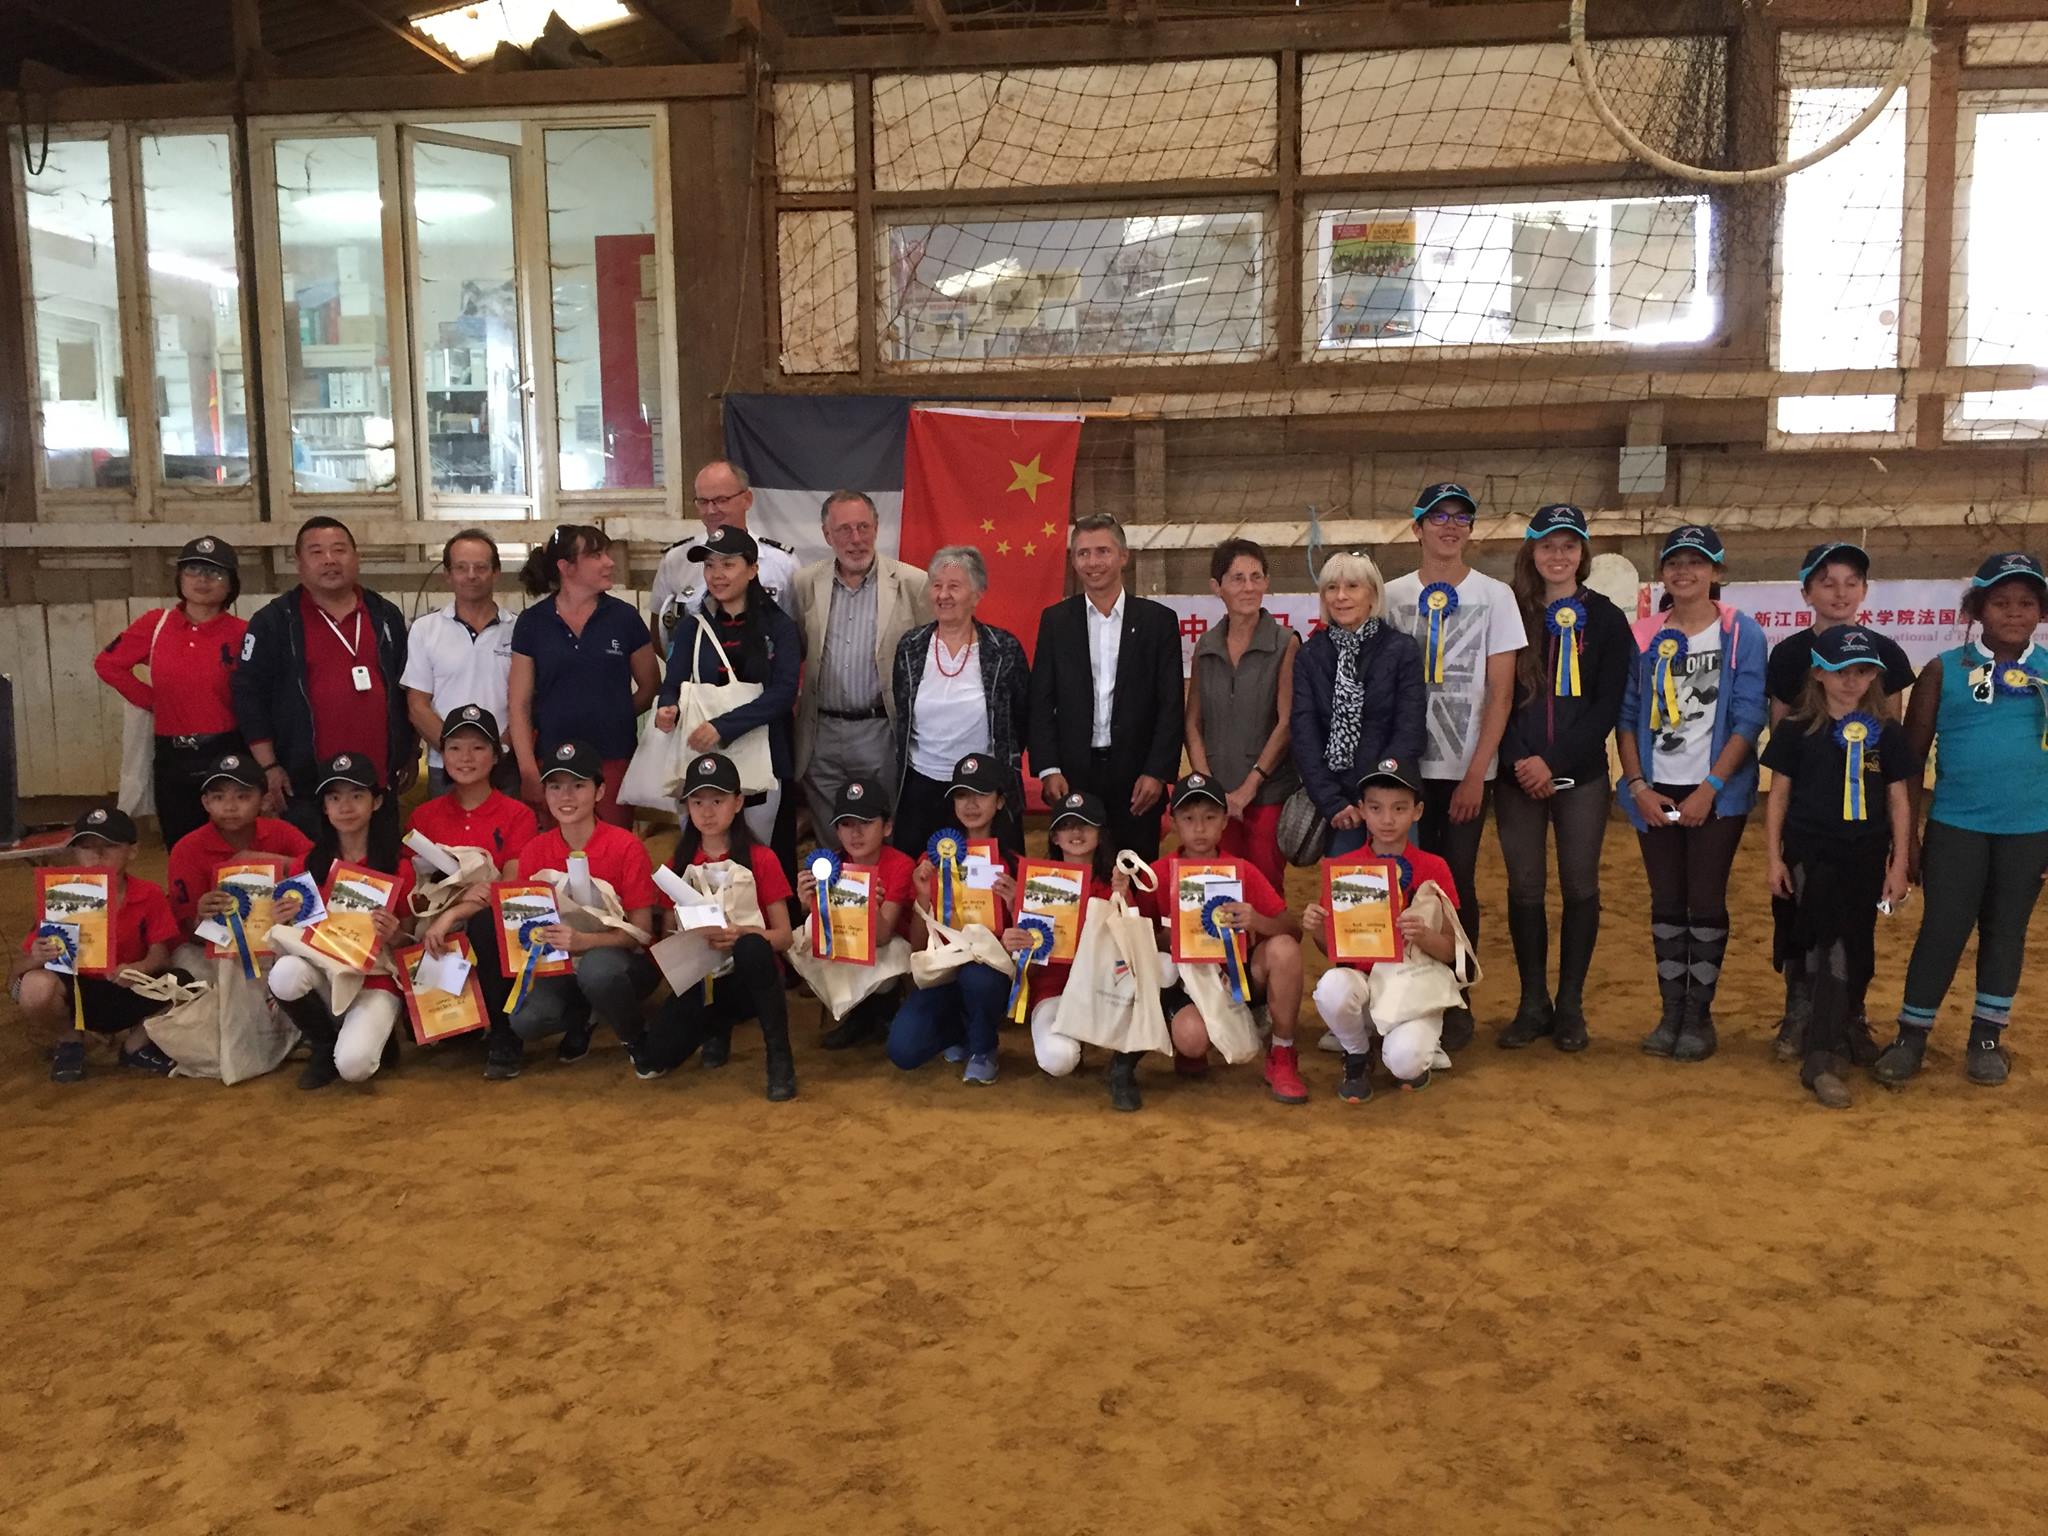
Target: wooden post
(719,337)
(867,302)
(1287,238)
(246,26)
(1148,498)
(1937,266)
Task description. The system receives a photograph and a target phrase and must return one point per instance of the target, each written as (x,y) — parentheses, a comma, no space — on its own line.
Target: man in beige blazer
(852,609)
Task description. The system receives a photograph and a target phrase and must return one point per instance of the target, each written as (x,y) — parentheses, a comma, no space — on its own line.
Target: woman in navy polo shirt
(583,664)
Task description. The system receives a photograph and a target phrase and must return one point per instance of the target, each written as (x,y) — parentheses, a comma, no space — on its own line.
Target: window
(337,337)
(1629,270)
(195,309)
(2003,225)
(1087,285)
(1841,241)
(607,312)
(75,298)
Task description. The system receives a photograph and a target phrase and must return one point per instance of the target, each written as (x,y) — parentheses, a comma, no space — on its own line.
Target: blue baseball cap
(1558,517)
(1844,646)
(2007,566)
(1821,554)
(1443,490)
(1694,536)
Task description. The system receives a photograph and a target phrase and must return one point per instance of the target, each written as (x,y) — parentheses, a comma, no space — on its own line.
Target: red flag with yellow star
(1003,482)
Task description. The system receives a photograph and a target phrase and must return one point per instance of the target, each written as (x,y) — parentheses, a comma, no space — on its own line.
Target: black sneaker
(320,1069)
(574,1045)
(503,1058)
(1417,1084)
(1123,1082)
(717,1048)
(1987,1064)
(148,1057)
(644,1065)
(1356,1086)
(67,1062)
(1458,1028)
(847,1033)
(1901,1059)
(389,1058)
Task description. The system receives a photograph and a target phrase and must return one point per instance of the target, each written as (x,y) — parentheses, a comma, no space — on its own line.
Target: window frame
(1970,106)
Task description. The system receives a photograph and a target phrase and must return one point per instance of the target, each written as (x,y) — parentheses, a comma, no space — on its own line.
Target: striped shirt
(847,679)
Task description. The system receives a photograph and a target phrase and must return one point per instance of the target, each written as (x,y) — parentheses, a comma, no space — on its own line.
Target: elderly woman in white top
(961,686)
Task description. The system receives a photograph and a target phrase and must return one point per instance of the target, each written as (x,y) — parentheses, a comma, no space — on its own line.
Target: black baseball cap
(1399,772)
(578,759)
(1842,550)
(105,822)
(712,770)
(976,771)
(727,541)
(2008,566)
(1846,645)
(1082,807)
(1443,490)
(1196,786)
(208,550)
(236,768)
(347,768)
(1558,517)
(472,717)
(1693,536)
(860,800)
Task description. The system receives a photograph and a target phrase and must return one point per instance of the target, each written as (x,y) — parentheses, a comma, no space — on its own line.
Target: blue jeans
(966,1011)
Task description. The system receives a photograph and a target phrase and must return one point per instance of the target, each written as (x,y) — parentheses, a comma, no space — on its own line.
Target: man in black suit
(1106,700)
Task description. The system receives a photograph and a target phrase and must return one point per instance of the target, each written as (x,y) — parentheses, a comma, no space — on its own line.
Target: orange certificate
(252,879)
(847,912)
(441,995)
(516,904)
(1058,893)
(975,899)
(1362,894)
(1193,884)
(354,895)
(83,899)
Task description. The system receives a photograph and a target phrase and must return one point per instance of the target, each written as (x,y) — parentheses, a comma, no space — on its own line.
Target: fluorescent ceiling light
(1151,227)
(981,277)
(450,202)
(362,206)
(473,32)
(176,264)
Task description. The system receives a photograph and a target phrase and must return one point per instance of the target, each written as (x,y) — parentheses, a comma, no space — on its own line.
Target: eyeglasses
(716,501)
(1448,519)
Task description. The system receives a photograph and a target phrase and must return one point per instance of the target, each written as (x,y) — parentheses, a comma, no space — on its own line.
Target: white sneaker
(1330,1043)
(1441,1062)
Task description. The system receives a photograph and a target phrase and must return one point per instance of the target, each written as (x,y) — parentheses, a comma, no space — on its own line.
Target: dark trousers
(1835,890)
(1982,881)
(1139,833)
(752,990)
(1688,874)
(175,772)
(1456,843)
(491,980)
(1578,814)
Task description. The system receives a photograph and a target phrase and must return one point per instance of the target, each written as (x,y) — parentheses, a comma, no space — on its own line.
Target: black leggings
(1833,938)
(1456,843)
(752,990)
(1688,872)
(1580,816)
(1985,881)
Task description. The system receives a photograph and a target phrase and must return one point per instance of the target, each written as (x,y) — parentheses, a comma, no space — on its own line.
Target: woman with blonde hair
(1358,695)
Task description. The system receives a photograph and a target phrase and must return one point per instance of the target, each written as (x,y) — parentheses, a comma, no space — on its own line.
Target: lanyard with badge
(359,674)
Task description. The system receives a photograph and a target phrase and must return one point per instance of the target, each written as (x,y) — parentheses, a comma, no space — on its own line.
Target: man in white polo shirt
(461,654)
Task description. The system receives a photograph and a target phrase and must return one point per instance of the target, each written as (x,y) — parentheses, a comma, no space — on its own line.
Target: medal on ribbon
(1407,873)
(1233,962)
(1566,619)
(535,946)
(825,870)
(1667,650)
(70,948)
(2015,681)
(1438,602)
(238,927)
(1855,735)
(1040,929)
(945,849)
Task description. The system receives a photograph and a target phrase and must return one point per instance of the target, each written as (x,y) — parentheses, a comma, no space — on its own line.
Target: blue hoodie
(1743,708)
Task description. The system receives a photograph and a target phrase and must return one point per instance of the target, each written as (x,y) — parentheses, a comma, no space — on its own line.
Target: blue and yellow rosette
(1407,873)
(824,867)
(2016,681)
(1566,619)
(1438,602)
(70,948)
(1040,929)
(533,946)
(1856,735)
(947,849)
(238,928)
(1667,650)
(1233,962)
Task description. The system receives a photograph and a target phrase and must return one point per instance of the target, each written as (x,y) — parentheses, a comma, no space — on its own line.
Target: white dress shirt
(1105,643)
(456,665)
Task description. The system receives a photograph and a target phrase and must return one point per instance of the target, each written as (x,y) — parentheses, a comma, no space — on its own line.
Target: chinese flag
(1003,483)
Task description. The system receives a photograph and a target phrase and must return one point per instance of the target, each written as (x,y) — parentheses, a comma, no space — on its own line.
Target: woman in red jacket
(189,650)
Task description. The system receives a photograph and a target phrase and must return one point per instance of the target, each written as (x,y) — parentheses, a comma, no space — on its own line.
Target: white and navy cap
(1846,645)
(710,770)
(2007,567)
(1694,536)
(347,768)
(1083,807)
(578,759)
(471,717)
(1558,517)
(1196,786)
(105,823)
(1400,772)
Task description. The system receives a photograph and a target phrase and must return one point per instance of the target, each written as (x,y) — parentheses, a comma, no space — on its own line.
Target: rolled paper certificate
(579,880)
(676,888)
(432,852)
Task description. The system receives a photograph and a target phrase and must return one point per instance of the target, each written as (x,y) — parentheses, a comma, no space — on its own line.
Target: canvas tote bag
(1112,994)
(1418,987)
(138,745)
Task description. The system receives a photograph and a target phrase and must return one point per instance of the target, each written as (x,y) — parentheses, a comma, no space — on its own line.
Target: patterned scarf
(1347,703)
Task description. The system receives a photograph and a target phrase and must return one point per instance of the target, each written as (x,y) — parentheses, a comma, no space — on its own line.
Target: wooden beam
(691,53)
(245,26)
(868,299)
(410,36)
(1937,267)
(753,20)
(933,14)
(1285,238)
(98,39)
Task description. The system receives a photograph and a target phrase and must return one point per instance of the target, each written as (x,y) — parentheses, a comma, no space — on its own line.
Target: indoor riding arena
(1035,305)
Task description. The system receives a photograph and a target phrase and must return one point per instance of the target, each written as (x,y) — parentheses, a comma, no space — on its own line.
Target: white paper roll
(676,888)
(432,852)
(579,879)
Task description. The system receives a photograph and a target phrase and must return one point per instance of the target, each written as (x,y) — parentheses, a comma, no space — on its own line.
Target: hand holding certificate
(85,900)
(355,897)
(1362,894)
(1194,884)
(1058,893)
(242,934)
(844,928)
(441,993)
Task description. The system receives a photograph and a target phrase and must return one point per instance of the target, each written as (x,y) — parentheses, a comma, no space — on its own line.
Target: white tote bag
(138,745)
(657,767)
(839,986)
(698,703)
(1229,1023)
(1112,993)
(1417,988)
(947,949)
(221,1027)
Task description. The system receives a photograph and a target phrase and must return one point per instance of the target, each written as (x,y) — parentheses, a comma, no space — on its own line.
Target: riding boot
(1670,943)
(1577,933)
(1708,944)
(1529,932)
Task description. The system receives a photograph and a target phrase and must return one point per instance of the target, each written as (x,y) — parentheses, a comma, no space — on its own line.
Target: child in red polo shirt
(704,1016)
(472,814)
(613,973)
(231,793)
(1390,797)
(861,823)
(1199,817)
(144,930)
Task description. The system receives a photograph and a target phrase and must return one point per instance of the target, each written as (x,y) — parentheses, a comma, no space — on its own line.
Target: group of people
(895,717)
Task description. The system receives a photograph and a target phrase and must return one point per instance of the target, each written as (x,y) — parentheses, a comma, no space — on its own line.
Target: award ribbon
(1438,602)
(1855,734)
(1233,963)
(1407,874)
(238,927)
(530,940)
(825,870)
(1040,930)
(945,849)
(2016,681)
(1566,619)
(70,947)
(1667,650)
